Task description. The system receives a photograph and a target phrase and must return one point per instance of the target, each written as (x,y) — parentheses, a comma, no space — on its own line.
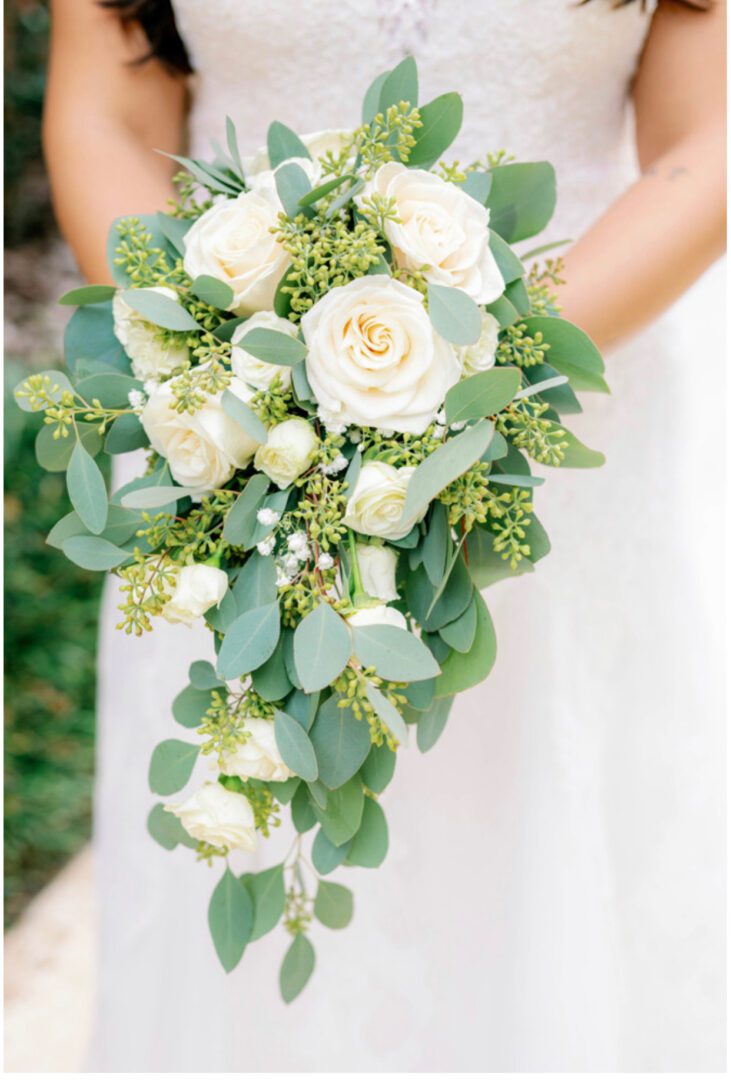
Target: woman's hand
(654,241)
(103,114)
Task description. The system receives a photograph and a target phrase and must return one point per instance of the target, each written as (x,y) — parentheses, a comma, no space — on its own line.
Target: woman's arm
(103,116)
(654,241)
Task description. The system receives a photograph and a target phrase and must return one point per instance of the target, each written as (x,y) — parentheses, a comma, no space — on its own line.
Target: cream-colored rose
(203,448)
(379,615)
(481,355)
(154,353)
(377,564)
(373,357)
(233,242)
(258,373)
(257,758)
(377,503)
(289,450)
(197,588)
(217,816)
(440,230)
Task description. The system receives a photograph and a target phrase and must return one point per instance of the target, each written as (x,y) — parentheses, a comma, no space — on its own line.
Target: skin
(644,252)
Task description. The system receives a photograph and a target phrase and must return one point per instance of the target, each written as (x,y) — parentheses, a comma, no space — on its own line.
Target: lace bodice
(540,78)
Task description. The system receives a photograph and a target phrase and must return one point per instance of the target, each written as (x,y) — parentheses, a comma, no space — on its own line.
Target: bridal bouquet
(339,372)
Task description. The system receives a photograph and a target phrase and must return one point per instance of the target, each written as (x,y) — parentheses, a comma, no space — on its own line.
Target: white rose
(258,757)
(153,352)
(439,228)
(197,588)
(288,451)
(377,564)
(233,242)
(255,372)
(217,816)
(379,615)
(374,358)
(203,448)
(481,355)
(377,502)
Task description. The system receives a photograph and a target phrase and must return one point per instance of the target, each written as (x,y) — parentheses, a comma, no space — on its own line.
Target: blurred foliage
(51,619)
(27,203)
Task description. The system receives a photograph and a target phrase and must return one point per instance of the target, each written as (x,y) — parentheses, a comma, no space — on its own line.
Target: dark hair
(157,19)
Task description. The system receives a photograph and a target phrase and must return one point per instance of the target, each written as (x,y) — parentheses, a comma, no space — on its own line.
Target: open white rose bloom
(342,374)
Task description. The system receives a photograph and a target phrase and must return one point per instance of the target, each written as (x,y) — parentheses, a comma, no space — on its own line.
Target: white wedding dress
(553,895)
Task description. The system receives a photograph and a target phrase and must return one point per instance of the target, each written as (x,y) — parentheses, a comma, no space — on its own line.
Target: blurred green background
(50,606)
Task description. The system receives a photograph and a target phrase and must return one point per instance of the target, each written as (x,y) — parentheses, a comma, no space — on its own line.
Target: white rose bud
(203,448)
(153,352)
(233,242)
(258,757)
(217,816)
(379,615)
(440,230)
(197,588)
(374,358)
(377,503)
(377,564)
(258,373)
(481,355)
(289,450)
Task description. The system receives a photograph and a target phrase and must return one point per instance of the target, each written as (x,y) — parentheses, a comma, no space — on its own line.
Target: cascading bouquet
(339,370)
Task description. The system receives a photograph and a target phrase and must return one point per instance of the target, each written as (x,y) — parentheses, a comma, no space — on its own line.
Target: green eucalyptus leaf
(210,290)
(192,704)
(283,144)
(54,455)
(431,723)
(400,84)
(273,347)
(89,335)
(509,264)
(294,746)
(94,553)
(441,120)
(152,498)
(160,310)
(292,185)
(333,905)
(58,385)
(167,829)
(171,766)
(483,394)
(372,99)
(396,654)
(256,584)
(343,815)
(230,919)
(174,230)
(88,294)
(271,681)
(87,490)
(387,713)
(244,416)
(202,675)
(341,742)
(370,844)
(125,434)
(378,768)
(571,352)
(454,314)
(240,525)
(250,640)
(303,810)
(322,647)
(522,199)
(460,634)
(460,671)
(326,857)
(448,462)
(266,890)
(297,967)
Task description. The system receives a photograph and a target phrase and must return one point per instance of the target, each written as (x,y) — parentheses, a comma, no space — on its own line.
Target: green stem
(358,594)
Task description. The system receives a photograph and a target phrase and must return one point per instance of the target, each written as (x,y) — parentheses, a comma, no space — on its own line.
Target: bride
(565,912)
